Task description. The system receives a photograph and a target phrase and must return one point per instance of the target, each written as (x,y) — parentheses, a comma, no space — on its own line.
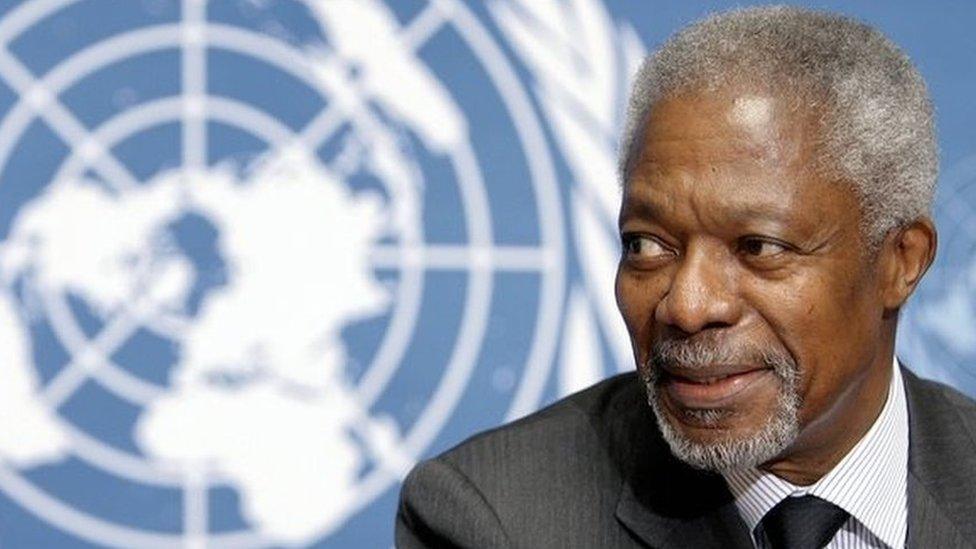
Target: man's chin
(722,439)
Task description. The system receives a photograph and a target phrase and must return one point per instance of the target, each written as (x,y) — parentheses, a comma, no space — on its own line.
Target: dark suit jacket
(593,471)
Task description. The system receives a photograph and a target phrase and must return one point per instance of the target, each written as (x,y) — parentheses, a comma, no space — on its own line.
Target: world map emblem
(257,258)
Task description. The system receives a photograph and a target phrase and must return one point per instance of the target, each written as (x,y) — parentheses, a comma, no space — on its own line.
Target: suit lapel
(664,502)
(942,459)
(717,527)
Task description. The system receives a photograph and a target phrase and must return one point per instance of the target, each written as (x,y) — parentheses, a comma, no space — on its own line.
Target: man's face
(751,300)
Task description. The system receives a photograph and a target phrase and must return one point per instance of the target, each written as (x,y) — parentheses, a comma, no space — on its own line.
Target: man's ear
(906,254)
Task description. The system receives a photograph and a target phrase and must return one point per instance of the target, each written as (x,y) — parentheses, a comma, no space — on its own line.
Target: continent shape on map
(29,433)
(259,394)
(74,238)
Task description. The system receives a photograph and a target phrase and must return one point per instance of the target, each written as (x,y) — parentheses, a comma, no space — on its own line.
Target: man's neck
(821,446)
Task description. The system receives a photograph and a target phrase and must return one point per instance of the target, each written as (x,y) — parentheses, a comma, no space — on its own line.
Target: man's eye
(758,247)
(644,247)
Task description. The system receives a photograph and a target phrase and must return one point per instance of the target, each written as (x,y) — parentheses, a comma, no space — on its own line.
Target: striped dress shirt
(870,483)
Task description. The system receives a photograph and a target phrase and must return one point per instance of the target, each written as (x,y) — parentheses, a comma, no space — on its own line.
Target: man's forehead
(770,200)
(728,127)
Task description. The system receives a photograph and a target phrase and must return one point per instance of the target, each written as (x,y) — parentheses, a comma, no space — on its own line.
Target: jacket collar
(942,458)
(664,502)
(716,524)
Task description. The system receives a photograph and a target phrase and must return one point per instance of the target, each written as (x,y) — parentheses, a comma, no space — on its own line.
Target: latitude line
(326,122)
(87,360)
(463,258)
(194,83)
(195,515)
(60,119)
(422,27)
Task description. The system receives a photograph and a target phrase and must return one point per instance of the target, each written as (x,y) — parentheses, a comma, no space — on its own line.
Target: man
(778,167)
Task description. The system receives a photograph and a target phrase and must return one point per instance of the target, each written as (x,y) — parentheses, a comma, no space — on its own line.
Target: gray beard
(749,450)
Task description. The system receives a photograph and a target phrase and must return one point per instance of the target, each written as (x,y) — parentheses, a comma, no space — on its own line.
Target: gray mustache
(701,353)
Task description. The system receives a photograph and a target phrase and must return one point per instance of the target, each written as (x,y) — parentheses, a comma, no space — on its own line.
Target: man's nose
(702,293)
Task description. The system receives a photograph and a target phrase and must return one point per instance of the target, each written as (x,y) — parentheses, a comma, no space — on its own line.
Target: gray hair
(876,123)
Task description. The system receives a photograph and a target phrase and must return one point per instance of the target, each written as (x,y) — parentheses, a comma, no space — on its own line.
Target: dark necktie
(805,522)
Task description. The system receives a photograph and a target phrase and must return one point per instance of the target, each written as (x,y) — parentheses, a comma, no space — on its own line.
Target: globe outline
(551,265)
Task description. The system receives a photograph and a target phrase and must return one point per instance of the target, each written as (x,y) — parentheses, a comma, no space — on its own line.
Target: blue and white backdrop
(257,257)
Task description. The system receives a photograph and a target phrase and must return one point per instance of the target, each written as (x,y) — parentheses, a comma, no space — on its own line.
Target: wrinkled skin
(728,234)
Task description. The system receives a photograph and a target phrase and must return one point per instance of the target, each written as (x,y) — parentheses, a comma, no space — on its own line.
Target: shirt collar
(870,482)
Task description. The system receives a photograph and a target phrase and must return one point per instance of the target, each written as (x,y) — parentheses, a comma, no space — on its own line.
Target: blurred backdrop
(257,257)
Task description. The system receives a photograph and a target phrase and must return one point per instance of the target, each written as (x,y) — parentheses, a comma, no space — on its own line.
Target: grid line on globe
(407,254)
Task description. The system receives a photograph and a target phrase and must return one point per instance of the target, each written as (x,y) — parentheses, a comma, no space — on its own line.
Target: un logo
(257,258)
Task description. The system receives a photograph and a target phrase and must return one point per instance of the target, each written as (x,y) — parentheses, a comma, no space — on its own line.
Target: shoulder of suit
(960,401)
(519,476)
(585,435)
(942,435)
(590,410)
(942,401)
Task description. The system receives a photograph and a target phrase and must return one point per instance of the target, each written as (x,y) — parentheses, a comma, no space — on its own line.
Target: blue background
(938,36)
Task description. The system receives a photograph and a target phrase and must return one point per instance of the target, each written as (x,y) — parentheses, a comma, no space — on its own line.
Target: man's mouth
(713,387)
